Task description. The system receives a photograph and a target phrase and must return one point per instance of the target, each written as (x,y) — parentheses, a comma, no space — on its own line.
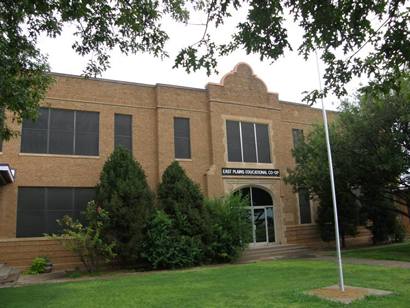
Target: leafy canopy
(370,147)
(339,30)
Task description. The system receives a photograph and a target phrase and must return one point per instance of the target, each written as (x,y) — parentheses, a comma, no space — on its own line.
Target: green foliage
(87,241)
(124,193)
(189,230)
(165,247)
(337,29)
(278,283)
(230,228)
(181,199)
(370,146)
(385,226)
(38,266)
(312,172)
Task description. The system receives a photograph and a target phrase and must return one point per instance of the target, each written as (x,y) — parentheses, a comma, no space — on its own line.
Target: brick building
(230,136)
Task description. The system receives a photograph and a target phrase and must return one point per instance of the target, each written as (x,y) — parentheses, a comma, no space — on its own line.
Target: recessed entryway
(261,214)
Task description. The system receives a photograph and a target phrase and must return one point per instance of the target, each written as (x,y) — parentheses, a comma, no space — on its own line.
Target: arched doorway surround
(261,214)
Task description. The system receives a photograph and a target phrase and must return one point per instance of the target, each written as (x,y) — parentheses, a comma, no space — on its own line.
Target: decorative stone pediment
(241,85)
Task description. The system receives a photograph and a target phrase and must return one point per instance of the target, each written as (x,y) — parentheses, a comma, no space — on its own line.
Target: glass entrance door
(263,225)
(261,215)
(259,222)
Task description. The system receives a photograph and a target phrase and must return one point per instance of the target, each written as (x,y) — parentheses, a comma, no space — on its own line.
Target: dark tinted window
(304,206)
(123,131)
(30,212)
(245,193)
(260,197)
(182,138)
(262,137)
(86,133)
(38,208)
(60,131)
(81,197)
(297,136)
(234,141)
(248,142)
(34,134)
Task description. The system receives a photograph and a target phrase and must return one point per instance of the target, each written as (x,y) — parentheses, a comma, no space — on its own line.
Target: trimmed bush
(230,228)
(124,193)
(181,199)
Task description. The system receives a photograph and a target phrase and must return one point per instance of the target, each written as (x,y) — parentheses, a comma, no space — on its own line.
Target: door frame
(252,208)
(264,207)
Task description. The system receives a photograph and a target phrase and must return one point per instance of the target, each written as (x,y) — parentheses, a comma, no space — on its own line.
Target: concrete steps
(8,275)
(272,252)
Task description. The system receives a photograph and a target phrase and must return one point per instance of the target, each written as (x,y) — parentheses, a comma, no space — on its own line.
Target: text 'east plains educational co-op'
(252,172)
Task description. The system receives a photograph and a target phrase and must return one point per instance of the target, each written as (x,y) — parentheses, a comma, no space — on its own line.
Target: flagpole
(332,184)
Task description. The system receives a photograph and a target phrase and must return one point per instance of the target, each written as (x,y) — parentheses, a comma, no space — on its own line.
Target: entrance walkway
(385,263)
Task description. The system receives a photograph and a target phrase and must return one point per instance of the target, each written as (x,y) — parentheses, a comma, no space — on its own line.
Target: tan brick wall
(240,95)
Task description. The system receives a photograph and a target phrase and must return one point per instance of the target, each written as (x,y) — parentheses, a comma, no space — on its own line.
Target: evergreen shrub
(124,193)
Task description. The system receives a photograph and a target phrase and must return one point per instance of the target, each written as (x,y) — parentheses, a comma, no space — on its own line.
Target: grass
(263,284)
(397,252)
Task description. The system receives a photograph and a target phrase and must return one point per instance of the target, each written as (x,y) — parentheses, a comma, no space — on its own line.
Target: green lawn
(263,284)
(398,252)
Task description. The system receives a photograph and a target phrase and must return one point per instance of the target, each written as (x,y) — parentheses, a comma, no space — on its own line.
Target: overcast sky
(289,76)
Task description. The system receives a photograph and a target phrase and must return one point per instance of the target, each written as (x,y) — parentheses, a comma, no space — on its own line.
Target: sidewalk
(385,263)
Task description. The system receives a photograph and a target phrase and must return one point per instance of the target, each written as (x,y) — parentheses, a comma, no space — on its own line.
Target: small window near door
(304,206)
(123,131)
(182,143)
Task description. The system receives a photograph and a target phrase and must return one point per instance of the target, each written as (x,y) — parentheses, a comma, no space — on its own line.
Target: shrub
(124,193)
(165,247)
(230,228)
(38,265)
(181,199)
(87,242)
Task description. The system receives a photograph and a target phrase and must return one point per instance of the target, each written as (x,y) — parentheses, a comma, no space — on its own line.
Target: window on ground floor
(38,208)
(304,206)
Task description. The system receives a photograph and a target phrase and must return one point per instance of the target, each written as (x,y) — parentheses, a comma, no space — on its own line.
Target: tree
(124,193)
(312,173)
(338,29)
(370,146)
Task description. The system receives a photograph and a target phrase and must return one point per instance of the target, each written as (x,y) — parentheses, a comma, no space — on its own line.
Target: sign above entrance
(250,172)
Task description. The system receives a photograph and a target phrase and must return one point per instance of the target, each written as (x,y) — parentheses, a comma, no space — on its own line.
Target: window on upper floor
(248,142)
(297,136)
(61,131)
(123,131)
(182,142)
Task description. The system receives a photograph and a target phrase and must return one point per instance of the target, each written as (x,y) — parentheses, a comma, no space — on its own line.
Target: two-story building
(230,136)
